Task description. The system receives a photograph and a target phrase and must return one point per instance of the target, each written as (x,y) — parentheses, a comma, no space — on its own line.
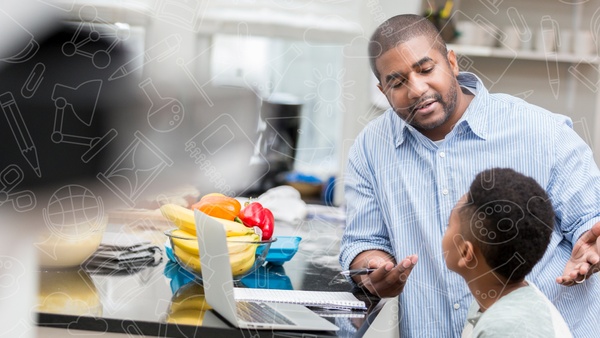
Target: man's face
(419,83)
(452,236)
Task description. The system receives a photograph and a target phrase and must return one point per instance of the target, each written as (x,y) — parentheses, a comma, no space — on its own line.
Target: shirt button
(445,192)
(442,154)
(456,306)
(410,129)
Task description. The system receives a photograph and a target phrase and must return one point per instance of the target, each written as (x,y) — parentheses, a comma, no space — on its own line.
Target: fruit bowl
(245,255)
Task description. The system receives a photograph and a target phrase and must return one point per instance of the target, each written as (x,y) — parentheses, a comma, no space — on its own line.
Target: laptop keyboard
(252,312)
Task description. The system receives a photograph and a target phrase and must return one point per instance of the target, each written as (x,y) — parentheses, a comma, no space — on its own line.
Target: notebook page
(307,298)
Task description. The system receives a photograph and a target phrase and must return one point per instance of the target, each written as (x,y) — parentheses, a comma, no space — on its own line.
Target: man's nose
(417,87)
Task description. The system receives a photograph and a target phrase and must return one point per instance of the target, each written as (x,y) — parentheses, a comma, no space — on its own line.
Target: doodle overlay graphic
(266,88)
(158,52)
(20,132)
(187,66)
(33,81)
(63,5)
(165,113)
(89,17)
(28,49)
(135,169)
(223,133)
(187,14)
(74,216)
(63,96)
(550,30)
(10,178)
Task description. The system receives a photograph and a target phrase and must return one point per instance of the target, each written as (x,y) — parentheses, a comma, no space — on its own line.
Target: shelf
(518,55)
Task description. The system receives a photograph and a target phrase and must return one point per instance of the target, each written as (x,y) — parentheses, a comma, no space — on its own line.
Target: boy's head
(503,214)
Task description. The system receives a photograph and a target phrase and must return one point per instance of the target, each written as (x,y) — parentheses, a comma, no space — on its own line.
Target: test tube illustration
(20,131)
(125,179)
(165,113)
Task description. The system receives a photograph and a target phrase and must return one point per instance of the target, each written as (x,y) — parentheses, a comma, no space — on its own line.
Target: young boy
(496,234)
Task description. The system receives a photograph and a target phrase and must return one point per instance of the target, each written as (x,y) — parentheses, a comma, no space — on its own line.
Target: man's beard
(448,104)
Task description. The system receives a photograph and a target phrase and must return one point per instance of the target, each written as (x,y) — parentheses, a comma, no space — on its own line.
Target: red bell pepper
(255,215)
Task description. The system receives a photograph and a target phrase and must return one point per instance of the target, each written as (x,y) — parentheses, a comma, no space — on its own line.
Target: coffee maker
(277,143)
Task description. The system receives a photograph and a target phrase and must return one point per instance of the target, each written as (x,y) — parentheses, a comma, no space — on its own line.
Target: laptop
(218,289)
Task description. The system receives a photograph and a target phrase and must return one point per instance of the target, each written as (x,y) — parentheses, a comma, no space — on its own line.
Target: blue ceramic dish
(283,250)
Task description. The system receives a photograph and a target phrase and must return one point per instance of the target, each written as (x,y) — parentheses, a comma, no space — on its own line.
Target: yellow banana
(191,261)
(241,269)
(191,246)
(184,220)
(190,298)
(186,317)
(240,259)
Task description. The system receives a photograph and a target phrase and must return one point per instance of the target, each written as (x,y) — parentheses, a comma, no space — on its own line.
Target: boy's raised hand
(388,280)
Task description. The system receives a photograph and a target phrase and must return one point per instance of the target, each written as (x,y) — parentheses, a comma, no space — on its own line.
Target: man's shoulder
(381,127)
(514,107)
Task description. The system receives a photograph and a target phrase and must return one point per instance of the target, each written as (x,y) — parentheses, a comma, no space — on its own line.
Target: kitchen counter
(140,303)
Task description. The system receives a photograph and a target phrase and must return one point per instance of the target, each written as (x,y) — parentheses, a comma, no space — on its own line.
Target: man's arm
(575,193)
(389,279)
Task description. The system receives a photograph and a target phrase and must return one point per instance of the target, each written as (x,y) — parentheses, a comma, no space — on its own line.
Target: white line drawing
(20,131)
(524,95)
(73,213)
(502,280)
(591,84)
(482,234)
(28,50)
(20,329)
(63,96)
(11,270)
(100,58)
(223,131)
(165,113)
(33,81)
(521,26)
(325,93)
(187,66)
(125,174)
(266,88)
(187,14)
(467,64)
(10,177)
(492,5)
(573,2)
(159,52)
(550,31)
(63,5)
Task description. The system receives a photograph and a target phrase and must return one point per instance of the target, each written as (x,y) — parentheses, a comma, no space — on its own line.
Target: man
(409,167)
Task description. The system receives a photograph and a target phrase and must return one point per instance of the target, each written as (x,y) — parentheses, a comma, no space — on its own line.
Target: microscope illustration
(66,97)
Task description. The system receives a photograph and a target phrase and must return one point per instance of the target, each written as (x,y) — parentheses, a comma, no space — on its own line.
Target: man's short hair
(508,213)
(399,29)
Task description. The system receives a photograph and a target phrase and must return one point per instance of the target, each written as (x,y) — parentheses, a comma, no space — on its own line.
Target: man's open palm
(585,258)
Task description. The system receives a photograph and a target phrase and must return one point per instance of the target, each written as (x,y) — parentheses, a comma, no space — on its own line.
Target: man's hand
(388,280)
(585,258)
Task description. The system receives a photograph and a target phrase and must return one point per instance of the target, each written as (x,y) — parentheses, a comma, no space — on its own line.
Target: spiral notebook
(323,299)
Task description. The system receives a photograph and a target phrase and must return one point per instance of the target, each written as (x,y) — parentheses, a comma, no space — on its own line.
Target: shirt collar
(473,117)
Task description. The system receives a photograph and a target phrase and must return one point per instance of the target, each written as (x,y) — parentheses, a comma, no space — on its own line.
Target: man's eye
(427,70)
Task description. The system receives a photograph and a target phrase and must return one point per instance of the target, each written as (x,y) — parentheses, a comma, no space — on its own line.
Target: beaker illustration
(165,113)
(135,169)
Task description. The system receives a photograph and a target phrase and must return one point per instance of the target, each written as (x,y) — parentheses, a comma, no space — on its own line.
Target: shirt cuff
(357,249)
(574,236)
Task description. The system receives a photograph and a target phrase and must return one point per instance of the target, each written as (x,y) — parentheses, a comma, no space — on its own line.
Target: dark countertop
(140,303)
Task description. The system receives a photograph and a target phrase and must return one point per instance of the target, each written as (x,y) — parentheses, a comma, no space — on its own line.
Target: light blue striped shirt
(400,189)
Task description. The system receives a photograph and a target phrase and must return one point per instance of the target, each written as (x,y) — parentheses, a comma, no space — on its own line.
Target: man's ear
(380,88)
(467,255)
(453,63)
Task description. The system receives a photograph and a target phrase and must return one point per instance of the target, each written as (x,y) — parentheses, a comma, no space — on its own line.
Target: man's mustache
(437,97)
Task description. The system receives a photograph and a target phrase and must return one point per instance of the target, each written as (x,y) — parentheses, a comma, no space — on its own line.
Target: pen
(357,272)
(159,51)
(550,28)
(19,130)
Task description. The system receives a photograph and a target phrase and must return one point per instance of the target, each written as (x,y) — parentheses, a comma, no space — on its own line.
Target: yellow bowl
(242,262)
(71,244)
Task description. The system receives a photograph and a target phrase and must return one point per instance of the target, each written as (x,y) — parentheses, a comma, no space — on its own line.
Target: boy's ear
(467,256)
